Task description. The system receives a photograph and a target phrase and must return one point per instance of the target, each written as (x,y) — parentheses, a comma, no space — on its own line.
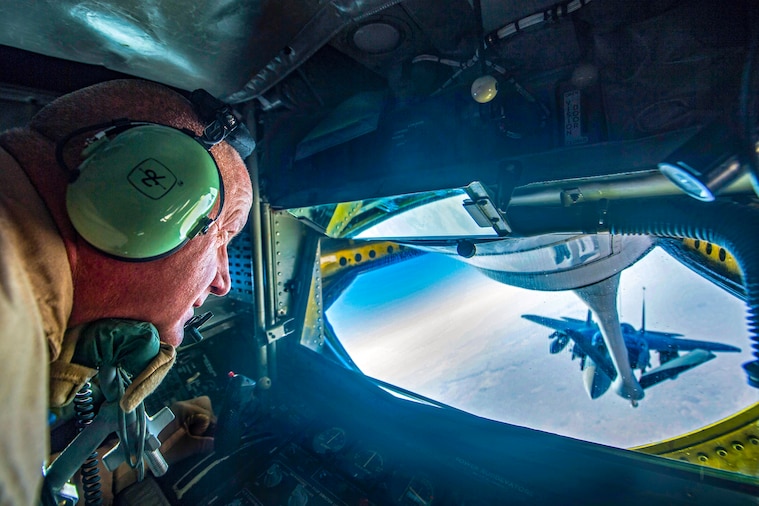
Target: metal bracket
(571,196)
(484,211)
(279,331)
(153,457)
(92,436)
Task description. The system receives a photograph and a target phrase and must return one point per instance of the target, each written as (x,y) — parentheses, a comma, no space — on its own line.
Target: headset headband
(222,125)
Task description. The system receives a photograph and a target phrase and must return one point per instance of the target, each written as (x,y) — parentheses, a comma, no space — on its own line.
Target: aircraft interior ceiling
(549,145)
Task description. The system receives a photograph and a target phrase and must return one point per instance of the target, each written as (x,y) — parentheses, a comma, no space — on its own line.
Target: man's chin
(172,335)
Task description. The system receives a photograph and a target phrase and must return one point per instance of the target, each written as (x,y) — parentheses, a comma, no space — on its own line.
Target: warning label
(573,119)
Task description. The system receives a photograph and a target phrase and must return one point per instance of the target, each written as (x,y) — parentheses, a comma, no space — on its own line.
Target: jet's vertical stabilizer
(643,313)
(601,298)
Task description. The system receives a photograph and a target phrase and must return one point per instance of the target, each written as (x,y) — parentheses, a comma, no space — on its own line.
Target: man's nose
(222,282)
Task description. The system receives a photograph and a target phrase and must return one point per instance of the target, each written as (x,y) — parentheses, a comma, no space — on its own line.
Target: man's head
(162,291)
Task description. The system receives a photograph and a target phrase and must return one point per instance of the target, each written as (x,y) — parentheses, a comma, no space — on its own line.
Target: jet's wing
(574,321)
(552,323)
(678,365)
(664,341)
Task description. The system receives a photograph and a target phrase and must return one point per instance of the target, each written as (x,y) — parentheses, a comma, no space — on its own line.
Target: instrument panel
(322,465)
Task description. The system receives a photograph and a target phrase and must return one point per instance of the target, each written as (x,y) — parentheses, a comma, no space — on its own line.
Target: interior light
(686,178)
(484,89)
(706,163)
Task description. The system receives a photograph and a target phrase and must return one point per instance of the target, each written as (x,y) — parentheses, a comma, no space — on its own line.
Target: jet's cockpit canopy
(627,328)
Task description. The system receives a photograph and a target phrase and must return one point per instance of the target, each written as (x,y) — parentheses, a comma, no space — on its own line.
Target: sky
(439,327)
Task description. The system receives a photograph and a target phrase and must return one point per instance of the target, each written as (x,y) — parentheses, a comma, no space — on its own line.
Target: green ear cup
(144,193)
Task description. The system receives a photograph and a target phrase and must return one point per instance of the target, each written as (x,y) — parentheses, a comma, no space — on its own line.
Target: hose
(724,223)
(85,413)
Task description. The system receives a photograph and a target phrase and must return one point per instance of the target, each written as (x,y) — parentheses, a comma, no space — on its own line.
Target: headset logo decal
(152,178)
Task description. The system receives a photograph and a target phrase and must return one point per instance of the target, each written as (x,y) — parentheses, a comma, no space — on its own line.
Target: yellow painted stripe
(355,253)
(715,255)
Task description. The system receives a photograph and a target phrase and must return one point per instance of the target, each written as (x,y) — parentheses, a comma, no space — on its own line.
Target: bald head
(138,101)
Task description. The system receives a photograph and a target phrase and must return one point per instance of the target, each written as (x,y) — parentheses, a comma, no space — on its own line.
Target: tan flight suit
(36,293)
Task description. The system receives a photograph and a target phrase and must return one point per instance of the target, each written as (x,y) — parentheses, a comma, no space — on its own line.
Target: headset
(144,189)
